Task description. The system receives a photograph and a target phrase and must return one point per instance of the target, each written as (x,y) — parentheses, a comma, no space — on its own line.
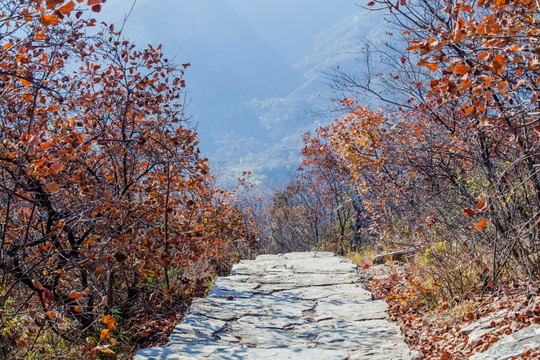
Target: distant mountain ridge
(282,120)
(251,100)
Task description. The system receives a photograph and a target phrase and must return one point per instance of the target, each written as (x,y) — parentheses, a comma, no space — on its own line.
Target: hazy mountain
(255,72)
(272,151)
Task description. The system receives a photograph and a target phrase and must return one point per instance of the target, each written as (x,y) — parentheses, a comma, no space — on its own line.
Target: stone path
(293,306)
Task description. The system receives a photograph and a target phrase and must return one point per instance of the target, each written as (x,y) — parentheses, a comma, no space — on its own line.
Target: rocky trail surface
(307,305)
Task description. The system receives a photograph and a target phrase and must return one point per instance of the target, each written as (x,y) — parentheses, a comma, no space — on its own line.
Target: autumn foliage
(449,164)
(106,204)
(318,208)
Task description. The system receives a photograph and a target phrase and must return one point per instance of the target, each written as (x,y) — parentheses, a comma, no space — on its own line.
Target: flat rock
(308,305)
(477,329)
(513,345)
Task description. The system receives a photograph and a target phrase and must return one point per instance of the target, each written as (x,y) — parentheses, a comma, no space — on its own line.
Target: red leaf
(48,295)
(371,3)
(366,266)
(96,8)
(468,212)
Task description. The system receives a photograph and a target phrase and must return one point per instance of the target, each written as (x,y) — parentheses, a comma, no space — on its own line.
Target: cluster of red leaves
(433,326)
(107,206)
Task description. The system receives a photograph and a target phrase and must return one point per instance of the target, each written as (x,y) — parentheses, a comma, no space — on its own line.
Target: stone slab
(308,305)
(513,345)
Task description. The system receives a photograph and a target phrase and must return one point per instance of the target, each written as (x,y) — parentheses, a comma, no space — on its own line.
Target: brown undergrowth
(435,327)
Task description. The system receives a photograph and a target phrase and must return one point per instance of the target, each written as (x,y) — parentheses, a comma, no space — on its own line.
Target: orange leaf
(481,206)
(74,295)
(462,69)
(77,309)
(482,56)
(25,82)
(481,225)
(53,187)
(433,67)
(67,8)
(51,4)
(7,46)
(110,322)
(47,19)
(104,334)
(469,110)
(55,168)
